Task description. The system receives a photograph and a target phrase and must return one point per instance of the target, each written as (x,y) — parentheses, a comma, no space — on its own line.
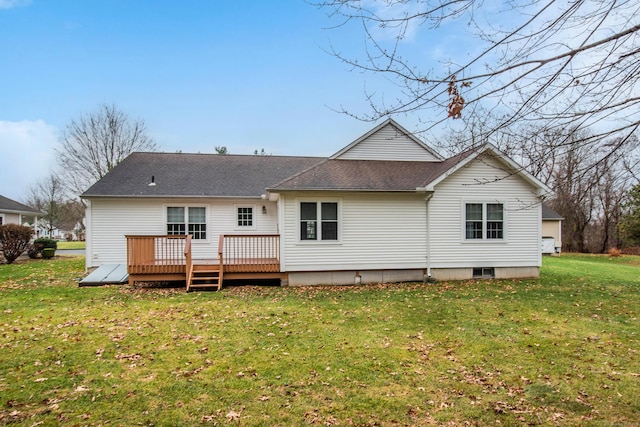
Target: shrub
(34,250)
(14,240)
(48,253)
(46,242)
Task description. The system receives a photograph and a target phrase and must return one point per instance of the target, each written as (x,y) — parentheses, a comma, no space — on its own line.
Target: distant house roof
(197,175)
(11,206)
(550,214)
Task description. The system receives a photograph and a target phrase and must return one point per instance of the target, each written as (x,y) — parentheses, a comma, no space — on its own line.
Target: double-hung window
(319,221)
(187,220)
(484,221)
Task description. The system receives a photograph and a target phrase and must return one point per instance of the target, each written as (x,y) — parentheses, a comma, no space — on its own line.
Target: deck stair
(204,276)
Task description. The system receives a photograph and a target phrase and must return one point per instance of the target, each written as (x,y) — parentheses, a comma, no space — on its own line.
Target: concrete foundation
(311,278)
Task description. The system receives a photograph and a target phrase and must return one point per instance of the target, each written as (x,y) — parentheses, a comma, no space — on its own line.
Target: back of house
(385,208)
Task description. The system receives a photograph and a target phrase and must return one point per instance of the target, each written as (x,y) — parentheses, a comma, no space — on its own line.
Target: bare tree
(547,62)
(95,143)
(47,196)
(71,214)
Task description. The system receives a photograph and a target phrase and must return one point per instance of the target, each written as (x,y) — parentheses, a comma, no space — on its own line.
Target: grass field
(63,244)
(561,350)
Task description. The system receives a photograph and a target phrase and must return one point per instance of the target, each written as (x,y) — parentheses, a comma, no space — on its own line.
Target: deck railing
(237,253)
(188,259)
(253,253)
(156,254)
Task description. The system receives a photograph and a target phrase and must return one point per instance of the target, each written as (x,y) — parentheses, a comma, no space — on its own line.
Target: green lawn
(563,349)
(71,245)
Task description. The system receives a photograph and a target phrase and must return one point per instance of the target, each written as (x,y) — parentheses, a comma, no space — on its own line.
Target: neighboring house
(12,212)
(551,231)
(384,208)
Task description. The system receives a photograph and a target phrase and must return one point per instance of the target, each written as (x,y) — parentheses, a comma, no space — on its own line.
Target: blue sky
(200,73)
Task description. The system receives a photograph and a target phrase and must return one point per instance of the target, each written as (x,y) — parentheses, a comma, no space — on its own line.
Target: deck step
(205,277)
(195,285)
(203,285)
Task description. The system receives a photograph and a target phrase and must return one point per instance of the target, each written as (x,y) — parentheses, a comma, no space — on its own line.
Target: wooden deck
(170,258)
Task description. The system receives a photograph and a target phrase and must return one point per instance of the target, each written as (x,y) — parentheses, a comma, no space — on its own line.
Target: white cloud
(8,4)
(26,155)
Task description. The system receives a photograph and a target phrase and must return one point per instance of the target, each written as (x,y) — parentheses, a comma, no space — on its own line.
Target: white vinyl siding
(388,144)
(112,219)
(10,218)
(377,231)
(521,220)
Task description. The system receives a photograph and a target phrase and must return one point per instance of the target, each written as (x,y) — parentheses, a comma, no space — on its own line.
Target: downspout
(428,197)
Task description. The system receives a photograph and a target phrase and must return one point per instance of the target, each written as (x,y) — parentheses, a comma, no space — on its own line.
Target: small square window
(245,217)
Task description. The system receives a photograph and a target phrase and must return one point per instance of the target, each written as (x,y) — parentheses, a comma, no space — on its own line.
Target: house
(385,208)
(551,231)
(12,212)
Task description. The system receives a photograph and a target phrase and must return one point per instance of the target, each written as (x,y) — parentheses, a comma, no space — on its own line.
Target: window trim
(207,220)
(484,238)
(318,201)
(254,217)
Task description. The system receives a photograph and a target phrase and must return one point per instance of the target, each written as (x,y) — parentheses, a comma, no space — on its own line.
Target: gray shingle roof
(364,175)
(548,213)
(214,175)
(369,175)
(197,175)
(9,205)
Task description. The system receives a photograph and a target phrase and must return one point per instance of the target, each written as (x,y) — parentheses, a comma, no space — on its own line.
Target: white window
(1,219)
(187,220)
(484,221)
(244,216)
(319,221)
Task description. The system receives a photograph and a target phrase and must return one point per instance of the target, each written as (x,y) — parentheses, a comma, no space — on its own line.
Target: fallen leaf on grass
(233,415)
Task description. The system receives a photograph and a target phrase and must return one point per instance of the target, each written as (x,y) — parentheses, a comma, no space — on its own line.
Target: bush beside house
(14,240)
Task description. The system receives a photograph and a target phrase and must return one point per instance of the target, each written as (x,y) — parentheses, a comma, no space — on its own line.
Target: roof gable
(456,162)
(388,141)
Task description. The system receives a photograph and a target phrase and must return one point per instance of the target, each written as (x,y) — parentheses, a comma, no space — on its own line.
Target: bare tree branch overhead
(544,62)
(95,143)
